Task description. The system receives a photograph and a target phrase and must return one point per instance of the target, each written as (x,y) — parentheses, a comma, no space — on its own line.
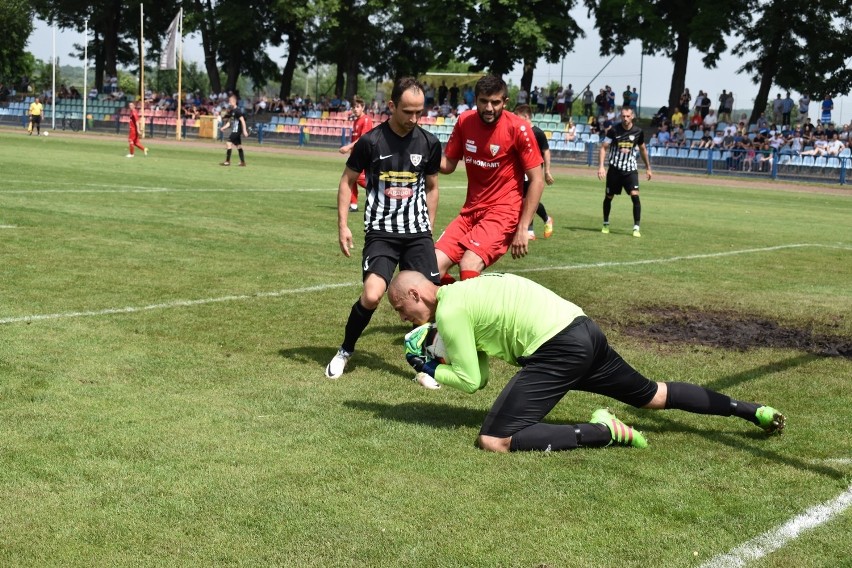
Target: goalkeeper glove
(415,339)
(421,365)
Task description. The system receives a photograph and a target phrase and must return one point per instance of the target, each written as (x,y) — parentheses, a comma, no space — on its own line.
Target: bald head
(413,296)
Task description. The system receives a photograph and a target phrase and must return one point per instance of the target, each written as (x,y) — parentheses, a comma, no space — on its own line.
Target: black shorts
(616,180)
(235,139)
(383,252)
(577,358)
(36,119)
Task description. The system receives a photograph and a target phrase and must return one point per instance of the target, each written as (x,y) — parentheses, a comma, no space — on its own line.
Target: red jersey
(495,157)
(363,124)
(134,120)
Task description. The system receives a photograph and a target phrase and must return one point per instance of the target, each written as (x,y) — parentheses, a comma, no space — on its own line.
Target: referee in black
(401,162)
(622,140)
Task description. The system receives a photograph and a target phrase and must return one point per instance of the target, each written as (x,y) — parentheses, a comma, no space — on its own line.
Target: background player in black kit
(525,112)
(237,123)
(401,162)
(621,141)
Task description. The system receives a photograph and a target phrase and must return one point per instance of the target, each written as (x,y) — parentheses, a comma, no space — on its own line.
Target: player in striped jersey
(401,162)
(621,141)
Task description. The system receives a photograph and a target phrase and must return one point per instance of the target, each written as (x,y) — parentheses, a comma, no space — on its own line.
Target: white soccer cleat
(335,368)
(129,156)
(426,381)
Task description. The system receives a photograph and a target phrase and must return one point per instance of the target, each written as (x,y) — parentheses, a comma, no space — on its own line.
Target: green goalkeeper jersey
(501,315)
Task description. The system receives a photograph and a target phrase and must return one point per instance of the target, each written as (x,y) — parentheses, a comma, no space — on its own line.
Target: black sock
(545,438)
(697,399)
(242,155)
(637,209)
(359,318)
(228,155)
(607,206)
(559,437)
(593,435)
(541,212)
(745,410)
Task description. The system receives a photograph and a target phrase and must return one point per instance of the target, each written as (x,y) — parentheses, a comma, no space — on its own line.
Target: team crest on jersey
(494,149)
(415,159)
(631,137)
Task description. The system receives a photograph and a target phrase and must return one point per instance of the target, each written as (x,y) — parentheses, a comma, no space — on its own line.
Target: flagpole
(142,67)
(53,96)
(85,71)
(179,70)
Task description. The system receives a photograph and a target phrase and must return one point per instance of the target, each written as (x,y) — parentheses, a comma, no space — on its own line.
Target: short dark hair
(403,84)
(523,110)
(356,100)
(491,85)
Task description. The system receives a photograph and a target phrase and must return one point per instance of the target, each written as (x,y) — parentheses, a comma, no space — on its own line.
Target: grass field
(165,323)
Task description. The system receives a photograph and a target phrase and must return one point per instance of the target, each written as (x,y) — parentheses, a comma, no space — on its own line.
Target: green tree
(502,33)
(670,27)
(806,53)
(16,25)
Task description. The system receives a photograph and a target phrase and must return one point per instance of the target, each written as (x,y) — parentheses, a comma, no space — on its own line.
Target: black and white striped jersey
(396,168)
(622,146)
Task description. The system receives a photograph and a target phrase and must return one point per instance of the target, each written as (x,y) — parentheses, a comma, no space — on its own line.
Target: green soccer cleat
(770,419)
(605,229)
(622,434)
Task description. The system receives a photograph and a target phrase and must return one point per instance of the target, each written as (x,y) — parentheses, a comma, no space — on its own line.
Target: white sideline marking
(106,189)
(322,287)
(8,226)
(772,540)
(175,304)
(838,461)
(678,258)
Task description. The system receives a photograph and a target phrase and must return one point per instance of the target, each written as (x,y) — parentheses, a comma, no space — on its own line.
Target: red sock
(447,279)
(468,274)
(354,197)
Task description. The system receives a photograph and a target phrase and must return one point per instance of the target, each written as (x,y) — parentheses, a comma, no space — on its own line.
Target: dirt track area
(730,330)
(573,170)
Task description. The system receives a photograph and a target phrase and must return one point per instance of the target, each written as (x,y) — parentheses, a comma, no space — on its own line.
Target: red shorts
(133,136)
(487,233)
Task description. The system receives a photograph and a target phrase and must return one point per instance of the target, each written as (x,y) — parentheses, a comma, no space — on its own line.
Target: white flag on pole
(168,57)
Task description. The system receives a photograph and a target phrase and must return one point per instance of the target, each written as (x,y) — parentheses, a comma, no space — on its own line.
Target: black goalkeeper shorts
(577,358)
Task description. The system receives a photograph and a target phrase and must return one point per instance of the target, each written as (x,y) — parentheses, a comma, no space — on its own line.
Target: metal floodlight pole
(85,70)
(53,95)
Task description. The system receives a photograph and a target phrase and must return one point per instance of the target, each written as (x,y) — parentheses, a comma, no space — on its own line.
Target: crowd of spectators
(750,145)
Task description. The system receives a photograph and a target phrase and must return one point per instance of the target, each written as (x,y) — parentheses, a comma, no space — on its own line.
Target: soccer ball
(434,345)
(46,133)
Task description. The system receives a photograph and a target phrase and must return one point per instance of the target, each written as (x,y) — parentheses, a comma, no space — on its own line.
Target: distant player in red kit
(363,124)
(497,148)
(135,127)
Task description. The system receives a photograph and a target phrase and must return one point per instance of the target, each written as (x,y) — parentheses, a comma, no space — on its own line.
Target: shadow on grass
(320,356)
(426,413)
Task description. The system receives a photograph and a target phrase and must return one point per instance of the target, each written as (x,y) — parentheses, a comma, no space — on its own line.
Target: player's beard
(494,116)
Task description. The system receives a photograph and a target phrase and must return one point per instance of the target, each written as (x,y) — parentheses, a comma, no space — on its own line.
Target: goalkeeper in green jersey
(558,348)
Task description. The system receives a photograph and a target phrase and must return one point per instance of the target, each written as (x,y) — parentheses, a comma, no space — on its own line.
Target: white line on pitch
(108,189)
(176,304)
(678,258)
(8,226)
(772,540)
(322,287)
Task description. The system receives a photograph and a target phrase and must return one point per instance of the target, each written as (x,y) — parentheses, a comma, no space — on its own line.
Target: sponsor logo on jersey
(481,163)
(416,159)
(398,177)
(397,192)
(470,146)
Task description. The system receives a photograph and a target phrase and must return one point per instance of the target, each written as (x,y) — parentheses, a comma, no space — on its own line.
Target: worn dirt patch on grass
(731,330)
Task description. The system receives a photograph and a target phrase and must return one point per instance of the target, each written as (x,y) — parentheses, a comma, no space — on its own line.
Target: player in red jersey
(362,125)
(133,135)
(498,148)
